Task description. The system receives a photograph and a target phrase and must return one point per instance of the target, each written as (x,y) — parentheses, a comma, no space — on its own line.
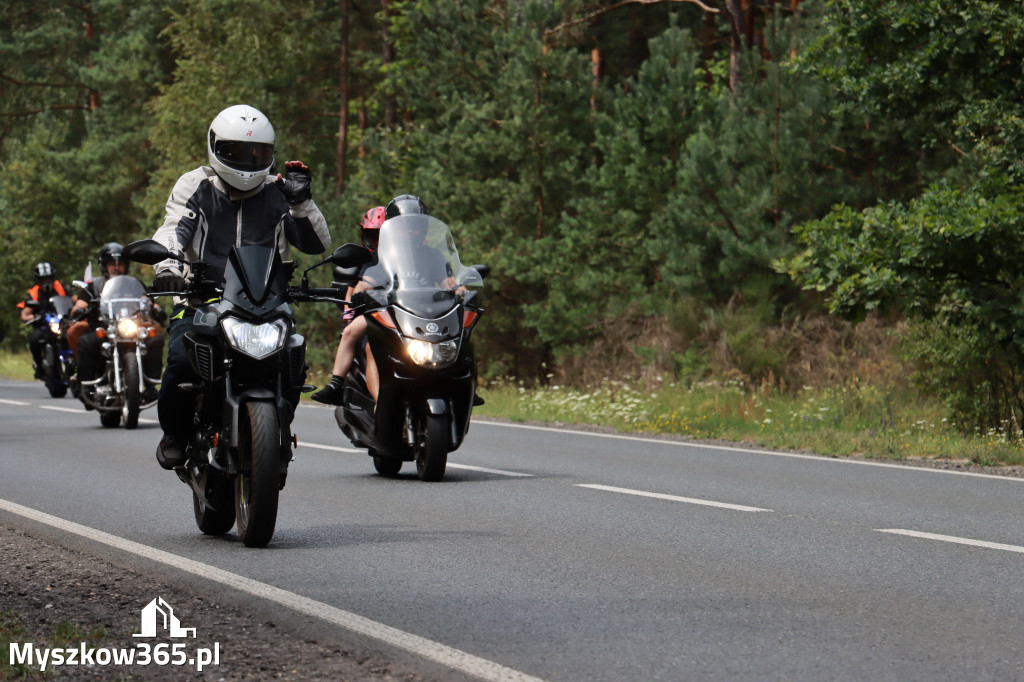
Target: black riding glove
(168,281)
(295,182)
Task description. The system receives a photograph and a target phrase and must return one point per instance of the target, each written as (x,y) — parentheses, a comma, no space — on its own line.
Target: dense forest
(619,164)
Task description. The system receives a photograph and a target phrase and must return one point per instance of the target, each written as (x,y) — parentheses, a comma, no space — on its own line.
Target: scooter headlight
(255,340)
(127,328)
(428,354)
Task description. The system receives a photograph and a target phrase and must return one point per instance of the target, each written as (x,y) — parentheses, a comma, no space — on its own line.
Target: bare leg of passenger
(372,375)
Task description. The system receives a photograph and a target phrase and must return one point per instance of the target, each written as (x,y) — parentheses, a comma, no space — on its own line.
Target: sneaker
(331,393)
(171,452)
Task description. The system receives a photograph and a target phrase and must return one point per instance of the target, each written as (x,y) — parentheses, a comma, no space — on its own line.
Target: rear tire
(432,447)
(387,466)
(258,482)
(111,419)
(213,521)
(132,398)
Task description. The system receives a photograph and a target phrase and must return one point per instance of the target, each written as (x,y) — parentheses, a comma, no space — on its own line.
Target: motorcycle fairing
(255,277)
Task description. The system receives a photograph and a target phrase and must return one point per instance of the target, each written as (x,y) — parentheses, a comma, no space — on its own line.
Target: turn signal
(468,318)
(384,317)
(101,333)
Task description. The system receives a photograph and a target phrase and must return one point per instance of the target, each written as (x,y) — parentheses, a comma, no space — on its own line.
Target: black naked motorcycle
(251,366)
(58,360)
(129,332)
(421,305)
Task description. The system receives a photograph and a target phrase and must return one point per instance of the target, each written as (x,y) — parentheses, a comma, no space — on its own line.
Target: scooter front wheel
(432,447)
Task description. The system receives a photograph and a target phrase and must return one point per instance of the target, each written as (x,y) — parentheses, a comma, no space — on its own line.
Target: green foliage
(951,251)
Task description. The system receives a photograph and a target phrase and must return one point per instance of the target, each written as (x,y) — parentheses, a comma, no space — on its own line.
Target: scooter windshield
(418,265)
(123,296)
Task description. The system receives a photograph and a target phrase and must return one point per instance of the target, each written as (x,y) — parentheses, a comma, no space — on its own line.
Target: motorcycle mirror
(350,256)
(149,252)
(79,283)
(484,270)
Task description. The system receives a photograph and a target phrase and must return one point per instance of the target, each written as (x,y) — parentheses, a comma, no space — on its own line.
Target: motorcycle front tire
(132,398)
(51,368)
(258,483)
(432,448)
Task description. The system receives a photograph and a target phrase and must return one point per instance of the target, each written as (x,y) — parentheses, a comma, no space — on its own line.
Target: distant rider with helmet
(234,201)
(46,287)
(82,338)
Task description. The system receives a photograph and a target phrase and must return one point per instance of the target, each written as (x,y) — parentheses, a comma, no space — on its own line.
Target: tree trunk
(341,168)
(734,13)
(388,56)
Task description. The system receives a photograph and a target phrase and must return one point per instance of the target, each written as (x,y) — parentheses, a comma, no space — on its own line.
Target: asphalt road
(581,557)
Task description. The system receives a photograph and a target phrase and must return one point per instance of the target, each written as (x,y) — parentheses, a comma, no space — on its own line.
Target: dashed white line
(952,538)
(61,409)
(318,446)
(500,472)
(13,402)
(434,651)
(673,498)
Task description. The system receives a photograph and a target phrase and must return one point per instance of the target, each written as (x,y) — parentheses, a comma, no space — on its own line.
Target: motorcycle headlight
(127,328)
(55,327)
(428,354)
(255,340)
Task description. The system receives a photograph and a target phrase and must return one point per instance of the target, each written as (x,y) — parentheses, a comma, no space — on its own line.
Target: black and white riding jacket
(205,217)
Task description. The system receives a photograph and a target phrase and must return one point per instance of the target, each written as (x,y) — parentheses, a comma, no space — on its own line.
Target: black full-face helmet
(43,272)
(110,253)
(405,204)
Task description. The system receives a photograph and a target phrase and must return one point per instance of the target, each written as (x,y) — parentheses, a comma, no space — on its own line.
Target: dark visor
(245,156)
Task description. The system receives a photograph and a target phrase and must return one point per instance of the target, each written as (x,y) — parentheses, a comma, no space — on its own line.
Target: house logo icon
(158,613)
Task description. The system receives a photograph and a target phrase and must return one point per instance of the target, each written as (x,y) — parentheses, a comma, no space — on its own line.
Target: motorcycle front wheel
(130,407)
(258,482)
(432,447)
(51,368)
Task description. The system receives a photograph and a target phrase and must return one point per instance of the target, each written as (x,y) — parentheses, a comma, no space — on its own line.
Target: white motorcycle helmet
(240,146)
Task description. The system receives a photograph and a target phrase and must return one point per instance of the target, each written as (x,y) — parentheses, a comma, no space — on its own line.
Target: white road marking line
(13,402)
(318,446)
(434,651)
(61,409)
(335,448)
(953,539)
(500,472)
(674,498)
(149,421)
(727,448)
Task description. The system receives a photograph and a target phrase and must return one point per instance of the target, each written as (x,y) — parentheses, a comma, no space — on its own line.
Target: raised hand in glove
(295,182)
(168,281)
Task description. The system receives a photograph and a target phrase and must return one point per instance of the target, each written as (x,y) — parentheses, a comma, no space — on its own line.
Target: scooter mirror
(484,270)
(148,251)
(350,256)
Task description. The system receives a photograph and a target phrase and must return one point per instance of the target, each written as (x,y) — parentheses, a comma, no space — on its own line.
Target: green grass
(844,421)
(848,420)
(16,365)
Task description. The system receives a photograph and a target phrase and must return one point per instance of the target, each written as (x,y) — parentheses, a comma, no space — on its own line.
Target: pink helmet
(371,220)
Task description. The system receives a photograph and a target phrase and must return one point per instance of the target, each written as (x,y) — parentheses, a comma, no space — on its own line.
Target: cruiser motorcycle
(421,306)
(250,363)
(129,333)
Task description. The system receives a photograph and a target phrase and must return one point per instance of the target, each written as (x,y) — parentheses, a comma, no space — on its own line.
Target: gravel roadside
(56,596)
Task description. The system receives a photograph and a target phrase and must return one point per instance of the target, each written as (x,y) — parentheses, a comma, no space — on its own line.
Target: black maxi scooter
(421,309)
